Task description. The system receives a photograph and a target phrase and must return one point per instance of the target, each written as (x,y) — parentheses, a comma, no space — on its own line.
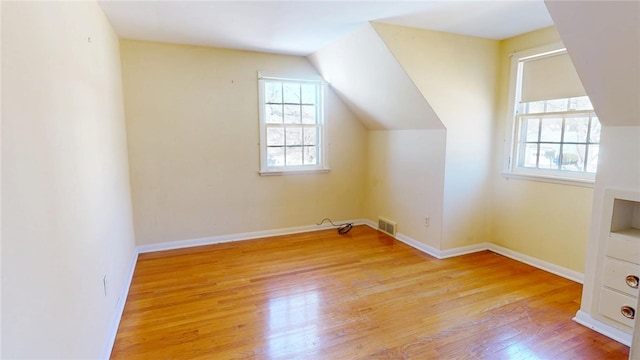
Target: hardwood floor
(363,295)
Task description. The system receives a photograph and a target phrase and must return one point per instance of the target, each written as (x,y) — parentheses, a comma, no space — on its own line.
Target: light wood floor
(361,296)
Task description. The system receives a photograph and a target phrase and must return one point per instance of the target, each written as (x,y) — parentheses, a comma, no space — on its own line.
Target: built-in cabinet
(615,291)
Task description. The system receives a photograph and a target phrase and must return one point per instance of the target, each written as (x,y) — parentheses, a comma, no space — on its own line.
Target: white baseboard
(122,300)
(441,254)
(529,260)
(540,264)
(210,240)
(587,320)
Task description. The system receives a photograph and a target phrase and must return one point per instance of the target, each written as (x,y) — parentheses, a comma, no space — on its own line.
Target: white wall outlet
(427,221)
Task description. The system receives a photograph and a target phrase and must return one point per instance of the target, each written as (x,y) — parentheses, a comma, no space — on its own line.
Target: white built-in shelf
(627,234)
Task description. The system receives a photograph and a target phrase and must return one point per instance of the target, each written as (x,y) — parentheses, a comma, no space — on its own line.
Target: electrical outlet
(427,221)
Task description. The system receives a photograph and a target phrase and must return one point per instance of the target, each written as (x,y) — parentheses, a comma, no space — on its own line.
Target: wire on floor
(342,228)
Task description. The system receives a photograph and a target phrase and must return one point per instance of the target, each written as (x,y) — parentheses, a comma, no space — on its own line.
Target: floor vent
(387,226)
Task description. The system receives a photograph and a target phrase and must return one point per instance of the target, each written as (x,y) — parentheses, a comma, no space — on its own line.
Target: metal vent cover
(387,226)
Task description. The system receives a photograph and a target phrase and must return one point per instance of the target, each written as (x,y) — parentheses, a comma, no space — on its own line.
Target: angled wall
(457,75)
(406,141)
(370,81)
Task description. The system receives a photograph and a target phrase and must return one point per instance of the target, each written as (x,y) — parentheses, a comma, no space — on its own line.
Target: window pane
(308,114)
(551,129)
(275,136)
(575,128)
(595,130)
(530,155)
(294,155)
(274,114)
(275,156)
(572,157)
(549,154)
(291,93)
(580,103)
(535,107)
(531,128)
(592,160)
(291,124)
(557,105)
(308,93)
(273,92)
(294,136)
(292,114)
(310,155)
(310,136)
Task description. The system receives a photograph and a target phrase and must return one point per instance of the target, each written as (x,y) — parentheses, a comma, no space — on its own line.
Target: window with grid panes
(291,126)
(559,134)
(556,131)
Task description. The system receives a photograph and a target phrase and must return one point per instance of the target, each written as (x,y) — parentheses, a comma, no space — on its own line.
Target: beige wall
(543,220)
(457,75)
(405,178)
(65,183)
(192,125)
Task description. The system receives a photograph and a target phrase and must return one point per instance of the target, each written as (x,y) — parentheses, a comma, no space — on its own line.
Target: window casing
(292,126)
(555,132)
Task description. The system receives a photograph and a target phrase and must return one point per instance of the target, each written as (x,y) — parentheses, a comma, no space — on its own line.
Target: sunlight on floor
(293,323)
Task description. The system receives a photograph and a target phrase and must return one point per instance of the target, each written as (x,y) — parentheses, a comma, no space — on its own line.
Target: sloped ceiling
(364,73)
(603,40)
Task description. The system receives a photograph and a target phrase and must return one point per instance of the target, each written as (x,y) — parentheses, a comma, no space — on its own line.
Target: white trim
(321,125)
(540,264)
(550,179)
(441,254)
(427,249)
(210,240)
(293,172)
(509,167)
(122,300)
(293,78)
(587,320)
(539,50)
(463,250)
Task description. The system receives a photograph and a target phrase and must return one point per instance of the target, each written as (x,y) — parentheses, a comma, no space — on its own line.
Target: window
(556,132)
(292,129)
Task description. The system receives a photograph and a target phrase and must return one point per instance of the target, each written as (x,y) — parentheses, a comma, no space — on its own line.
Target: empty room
(320,179)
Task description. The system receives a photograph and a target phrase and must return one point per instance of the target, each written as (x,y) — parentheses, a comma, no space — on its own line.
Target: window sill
(550,179)
(293,172)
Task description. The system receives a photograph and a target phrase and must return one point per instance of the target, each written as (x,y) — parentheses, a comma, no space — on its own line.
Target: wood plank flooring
(363,295)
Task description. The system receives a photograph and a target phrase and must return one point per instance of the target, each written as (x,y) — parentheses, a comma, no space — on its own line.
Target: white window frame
(323,162)
(510,168)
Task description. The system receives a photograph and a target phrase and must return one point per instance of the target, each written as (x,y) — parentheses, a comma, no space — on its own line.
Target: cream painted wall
(192,125)
(457,75)
(405,177)
(542,220)
(67,218)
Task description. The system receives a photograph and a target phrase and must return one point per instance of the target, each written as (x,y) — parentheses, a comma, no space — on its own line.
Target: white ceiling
(302,27)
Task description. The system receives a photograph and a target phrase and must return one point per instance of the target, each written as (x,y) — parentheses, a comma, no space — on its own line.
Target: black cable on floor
(342,228)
